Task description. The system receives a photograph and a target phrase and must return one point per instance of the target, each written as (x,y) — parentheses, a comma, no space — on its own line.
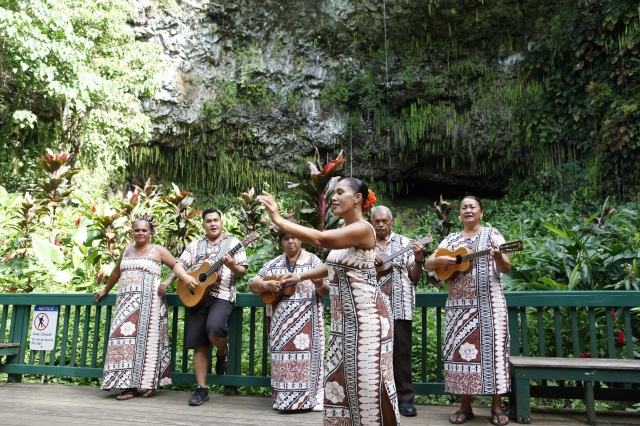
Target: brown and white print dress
(296,339)
(138,350)
(359,363)
(476,352)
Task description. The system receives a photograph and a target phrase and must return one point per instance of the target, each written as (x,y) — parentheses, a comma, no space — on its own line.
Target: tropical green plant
(314,205)
(29,211)
(55,186)
(251,213)
(181,227)
(443,209)
(73,75)
(579,81)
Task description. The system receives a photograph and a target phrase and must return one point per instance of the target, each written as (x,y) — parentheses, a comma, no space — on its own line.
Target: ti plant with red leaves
(443,209)
(30,210)
(599,219)
(314,205)
(149,197)
(251,213)
(182,224)
(55,187)
(107,221)
(130,203)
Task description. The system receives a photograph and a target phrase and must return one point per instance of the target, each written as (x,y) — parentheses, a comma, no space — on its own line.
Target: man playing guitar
(208,324)
(398,286)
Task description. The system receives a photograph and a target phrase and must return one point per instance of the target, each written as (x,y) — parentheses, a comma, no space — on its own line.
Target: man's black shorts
(208,320)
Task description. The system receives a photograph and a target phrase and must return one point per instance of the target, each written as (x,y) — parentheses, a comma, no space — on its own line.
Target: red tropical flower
(620,341)
(369,202)
(585,355)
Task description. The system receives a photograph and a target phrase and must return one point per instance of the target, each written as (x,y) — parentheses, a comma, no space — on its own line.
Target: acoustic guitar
(275,296)
(207,275)
(385,267)
(465,258)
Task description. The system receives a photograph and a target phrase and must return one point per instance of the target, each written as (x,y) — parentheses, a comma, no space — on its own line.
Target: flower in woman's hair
(370,201)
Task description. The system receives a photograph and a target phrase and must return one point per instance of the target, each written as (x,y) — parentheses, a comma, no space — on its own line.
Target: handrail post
(18,334)
(235,347)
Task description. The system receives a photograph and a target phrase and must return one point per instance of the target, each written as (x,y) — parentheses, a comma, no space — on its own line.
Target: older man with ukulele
(399,287)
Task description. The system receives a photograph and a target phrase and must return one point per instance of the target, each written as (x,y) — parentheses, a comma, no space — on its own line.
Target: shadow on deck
(41,404)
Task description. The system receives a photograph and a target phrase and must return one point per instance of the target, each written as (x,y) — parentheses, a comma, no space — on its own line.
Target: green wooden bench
(9,349)
(524,369)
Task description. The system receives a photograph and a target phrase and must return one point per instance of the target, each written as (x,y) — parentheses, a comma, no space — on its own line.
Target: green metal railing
(563,324)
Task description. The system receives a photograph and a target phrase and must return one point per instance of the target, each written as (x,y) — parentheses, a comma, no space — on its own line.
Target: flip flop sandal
(149,393)
(468,415)
(123,396)
(499,414)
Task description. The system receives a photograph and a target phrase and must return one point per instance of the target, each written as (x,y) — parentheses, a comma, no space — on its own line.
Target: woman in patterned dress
(476,352)
(359,385)
(138,349)
(296,329)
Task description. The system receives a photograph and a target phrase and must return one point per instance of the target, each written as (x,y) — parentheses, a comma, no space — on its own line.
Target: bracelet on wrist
(299,277)
(264,284)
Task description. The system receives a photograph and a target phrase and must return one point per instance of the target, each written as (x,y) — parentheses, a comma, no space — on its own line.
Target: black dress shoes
(407,409)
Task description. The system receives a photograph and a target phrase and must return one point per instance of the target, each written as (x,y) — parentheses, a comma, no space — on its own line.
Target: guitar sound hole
(202,277)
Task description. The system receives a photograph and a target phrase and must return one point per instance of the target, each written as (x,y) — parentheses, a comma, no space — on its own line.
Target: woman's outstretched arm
(357,234)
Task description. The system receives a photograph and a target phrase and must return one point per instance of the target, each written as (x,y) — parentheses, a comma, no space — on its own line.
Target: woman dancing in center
(359,385)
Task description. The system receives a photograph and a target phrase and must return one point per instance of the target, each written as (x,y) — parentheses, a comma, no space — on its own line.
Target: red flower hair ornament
(370,201)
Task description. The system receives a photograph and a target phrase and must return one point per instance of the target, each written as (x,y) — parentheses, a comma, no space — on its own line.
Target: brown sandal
(468,415)
(149,393)
(499,414)
(127,394)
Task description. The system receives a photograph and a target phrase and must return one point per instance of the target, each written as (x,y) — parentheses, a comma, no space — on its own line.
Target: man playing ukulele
(398,286)
(208,324)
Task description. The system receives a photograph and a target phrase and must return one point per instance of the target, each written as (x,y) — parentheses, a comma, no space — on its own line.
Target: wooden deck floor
(36,404)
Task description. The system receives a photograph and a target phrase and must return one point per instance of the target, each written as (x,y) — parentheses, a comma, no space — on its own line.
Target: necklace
(291,268)
(472,233)
(138,251)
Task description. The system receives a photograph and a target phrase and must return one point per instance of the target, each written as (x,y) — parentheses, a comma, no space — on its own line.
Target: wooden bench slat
(9,349)
(552,368)
(575,363)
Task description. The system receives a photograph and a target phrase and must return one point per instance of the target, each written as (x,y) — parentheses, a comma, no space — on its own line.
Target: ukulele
(465,258)
(207,275)
(385,267)
(269,296)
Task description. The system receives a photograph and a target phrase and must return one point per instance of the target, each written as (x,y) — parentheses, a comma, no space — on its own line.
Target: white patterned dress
(296,339)
(138,350)
(476,352)
(359,364)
